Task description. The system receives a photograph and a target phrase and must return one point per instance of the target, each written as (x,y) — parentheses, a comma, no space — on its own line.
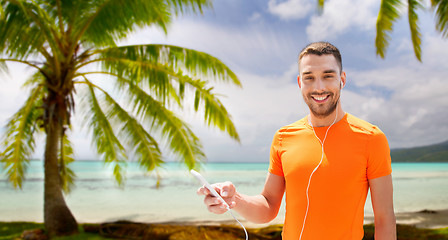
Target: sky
(260,41)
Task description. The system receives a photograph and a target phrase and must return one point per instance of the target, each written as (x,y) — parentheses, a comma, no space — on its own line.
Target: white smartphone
(208,186)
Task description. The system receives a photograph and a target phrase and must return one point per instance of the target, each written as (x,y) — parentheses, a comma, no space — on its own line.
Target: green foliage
(13,230)
(441,9)
(442,231)
(19,138)
(413,6)
(141,144)
(107,144)
(66,157)
(432,153)
(69,41)
(388,14)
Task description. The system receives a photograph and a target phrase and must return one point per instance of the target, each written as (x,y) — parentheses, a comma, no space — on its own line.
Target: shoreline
(427,218)
(424,218)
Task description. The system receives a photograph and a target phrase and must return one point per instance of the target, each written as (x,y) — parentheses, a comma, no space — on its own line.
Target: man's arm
(381,191)
(260,208)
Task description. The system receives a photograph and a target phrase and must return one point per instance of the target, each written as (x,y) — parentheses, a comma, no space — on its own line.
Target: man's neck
(328,120)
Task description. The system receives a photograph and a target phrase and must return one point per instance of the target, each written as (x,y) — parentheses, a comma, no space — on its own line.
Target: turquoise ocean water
(97,198)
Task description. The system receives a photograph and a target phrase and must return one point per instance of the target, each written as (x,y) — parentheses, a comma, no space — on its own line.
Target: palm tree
(390,12)
(68,42)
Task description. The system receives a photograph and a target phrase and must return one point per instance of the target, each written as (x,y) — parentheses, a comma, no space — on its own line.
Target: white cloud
(290,9)
(340,16)
(415,113)
(434,51)
(233,45)
(256,16)
(265,104)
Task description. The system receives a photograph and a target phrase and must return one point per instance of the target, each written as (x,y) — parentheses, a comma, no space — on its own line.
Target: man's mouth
(320,98)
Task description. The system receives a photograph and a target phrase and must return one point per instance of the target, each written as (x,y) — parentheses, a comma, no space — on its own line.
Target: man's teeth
(320,98)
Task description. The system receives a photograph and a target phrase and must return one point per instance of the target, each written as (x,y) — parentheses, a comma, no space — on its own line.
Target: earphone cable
(315,169)
(245,232)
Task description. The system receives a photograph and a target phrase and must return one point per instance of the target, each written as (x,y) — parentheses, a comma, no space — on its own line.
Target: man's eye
(328,76)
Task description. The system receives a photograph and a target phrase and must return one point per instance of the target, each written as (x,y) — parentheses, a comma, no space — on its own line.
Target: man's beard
(326,110)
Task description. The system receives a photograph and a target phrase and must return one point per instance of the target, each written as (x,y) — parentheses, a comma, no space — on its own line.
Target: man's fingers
(212,201)
(217,209)
(215,205)
(228,189)
(203,191)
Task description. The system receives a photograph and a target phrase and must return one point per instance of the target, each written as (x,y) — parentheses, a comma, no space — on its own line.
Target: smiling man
(326,162)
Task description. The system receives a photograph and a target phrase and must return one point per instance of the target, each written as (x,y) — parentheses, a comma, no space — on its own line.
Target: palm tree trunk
(59,221)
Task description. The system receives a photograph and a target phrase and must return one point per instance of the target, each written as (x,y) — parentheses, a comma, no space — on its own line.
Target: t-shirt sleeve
(379,162)
(275,162)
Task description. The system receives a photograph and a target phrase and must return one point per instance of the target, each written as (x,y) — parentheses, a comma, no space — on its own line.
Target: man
(325,162)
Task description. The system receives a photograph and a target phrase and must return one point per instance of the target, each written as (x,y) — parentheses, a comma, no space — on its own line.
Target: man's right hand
(227,191)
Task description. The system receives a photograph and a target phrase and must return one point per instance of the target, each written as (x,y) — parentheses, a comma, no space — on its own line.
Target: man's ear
(343,80)
(299,82)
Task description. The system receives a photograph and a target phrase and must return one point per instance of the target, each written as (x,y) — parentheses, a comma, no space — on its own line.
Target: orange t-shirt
(354,152)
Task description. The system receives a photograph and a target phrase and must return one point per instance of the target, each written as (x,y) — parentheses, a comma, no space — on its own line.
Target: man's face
(320,80)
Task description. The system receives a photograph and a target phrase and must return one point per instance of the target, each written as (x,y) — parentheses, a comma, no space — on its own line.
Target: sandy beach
(96,200)
(421,219)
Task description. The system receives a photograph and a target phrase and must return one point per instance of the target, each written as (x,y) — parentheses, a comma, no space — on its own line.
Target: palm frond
(144,147)
(43,21)
(158,67)
(387,15)
(110,20)
(180,138)
(320,6)
(179,6)
(66,157)
(198,64)
(413,6)
(3,67)
(441,10)
(19,138)
(152,76)
(19,36)
(214,111)
(191,62)
(106,142)
(154,66)
(36,79)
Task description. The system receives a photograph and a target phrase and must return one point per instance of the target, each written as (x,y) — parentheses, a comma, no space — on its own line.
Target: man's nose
(319,85)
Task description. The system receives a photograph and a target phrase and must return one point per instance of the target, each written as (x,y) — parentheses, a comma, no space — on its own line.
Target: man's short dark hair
(322,48)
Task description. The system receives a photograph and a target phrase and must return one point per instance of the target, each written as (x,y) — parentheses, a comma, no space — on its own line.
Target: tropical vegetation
(432,153)
(125,95)
(391,10)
